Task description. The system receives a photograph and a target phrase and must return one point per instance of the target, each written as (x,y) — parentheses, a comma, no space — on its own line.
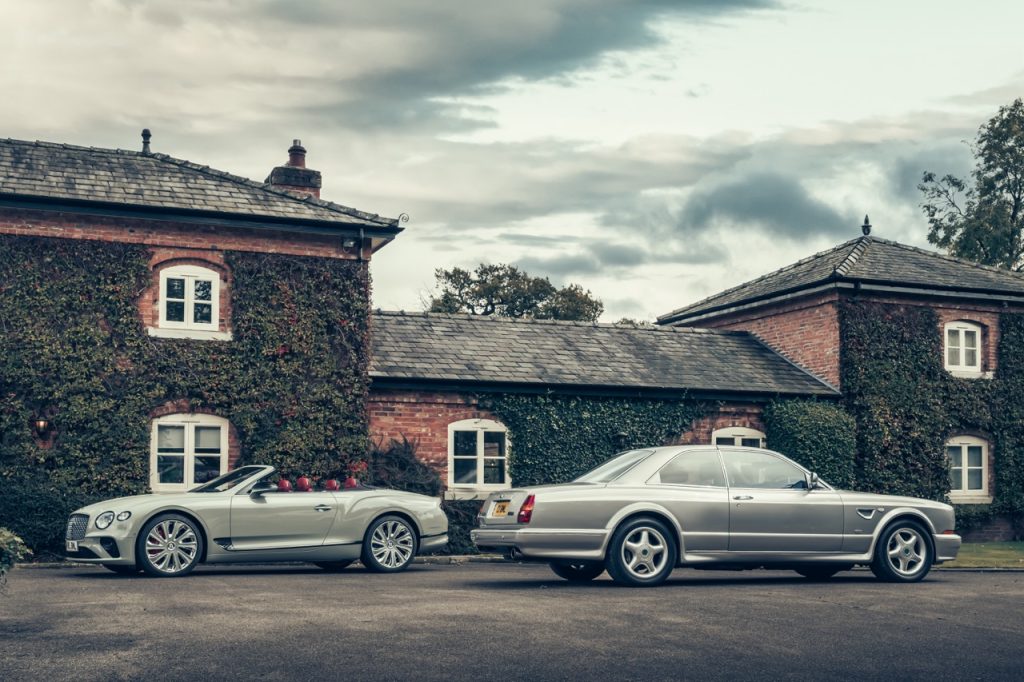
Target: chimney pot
(297,154)
(145,140)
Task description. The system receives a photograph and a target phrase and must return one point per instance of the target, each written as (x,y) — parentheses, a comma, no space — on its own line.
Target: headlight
(104,520)
(124,516)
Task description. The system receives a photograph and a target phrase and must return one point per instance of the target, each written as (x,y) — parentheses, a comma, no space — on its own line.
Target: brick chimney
(294,176)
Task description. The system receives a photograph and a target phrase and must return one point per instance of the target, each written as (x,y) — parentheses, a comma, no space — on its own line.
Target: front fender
(884,522)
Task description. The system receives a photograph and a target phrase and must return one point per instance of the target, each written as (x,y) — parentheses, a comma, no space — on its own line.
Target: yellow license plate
(500,509)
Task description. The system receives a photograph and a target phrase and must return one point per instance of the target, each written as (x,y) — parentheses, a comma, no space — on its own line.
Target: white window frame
(737,433)
(478,490)
(189,422)
(188,329)
(963,495)
(960,368)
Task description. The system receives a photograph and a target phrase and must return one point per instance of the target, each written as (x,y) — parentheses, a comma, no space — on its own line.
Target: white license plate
(72,545)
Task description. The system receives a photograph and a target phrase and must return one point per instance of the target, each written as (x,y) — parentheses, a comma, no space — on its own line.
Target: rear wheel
(642,553)
(821,572)
(121,569)
(577,571)
(902,554)
(389,545)
(169,546)
(333,565)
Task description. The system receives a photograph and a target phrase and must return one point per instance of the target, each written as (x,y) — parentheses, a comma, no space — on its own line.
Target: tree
(506,291)
(984,222)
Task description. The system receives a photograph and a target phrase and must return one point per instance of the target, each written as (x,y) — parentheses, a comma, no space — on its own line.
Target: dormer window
(963,349)
(189,304)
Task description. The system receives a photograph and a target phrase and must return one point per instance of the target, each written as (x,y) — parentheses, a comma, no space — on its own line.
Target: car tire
(389,545)
(577,571)
(642,553)
(903,553)
(169,546)
(122,569)
(825,572)
(334,565)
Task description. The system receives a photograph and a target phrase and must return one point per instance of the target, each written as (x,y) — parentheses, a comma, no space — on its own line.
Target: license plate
(500,509)
(72,545)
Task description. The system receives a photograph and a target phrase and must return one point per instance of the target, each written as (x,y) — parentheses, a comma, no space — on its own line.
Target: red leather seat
(303,485)
(332,484)
(284,486)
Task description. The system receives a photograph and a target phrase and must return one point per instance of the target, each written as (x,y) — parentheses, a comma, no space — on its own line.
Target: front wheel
(389,545)
(902,554)
(577,571)
(642,553)
(169,546)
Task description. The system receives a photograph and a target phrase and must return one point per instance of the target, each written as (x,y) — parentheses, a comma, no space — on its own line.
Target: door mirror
(261,488)
(812,480)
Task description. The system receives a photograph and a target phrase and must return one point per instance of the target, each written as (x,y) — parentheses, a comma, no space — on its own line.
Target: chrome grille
(76,526)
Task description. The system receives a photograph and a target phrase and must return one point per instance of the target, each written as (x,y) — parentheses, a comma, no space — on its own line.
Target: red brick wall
(998,529)
(728,415)
(806,331)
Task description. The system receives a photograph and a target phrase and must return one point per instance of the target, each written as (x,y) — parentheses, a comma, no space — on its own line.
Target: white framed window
(968,469)
(187,450)
(738,435)
(189,304)
(477,457)
(962,347)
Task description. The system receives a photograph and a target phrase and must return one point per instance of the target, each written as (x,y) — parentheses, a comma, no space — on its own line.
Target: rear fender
(638,508)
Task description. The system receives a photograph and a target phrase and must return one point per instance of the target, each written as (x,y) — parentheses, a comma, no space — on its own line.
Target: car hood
(875,499)
(136,502)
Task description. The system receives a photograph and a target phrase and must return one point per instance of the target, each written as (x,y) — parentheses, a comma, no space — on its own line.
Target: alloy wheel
(907,551)
(171,546)
(644,552)
(392,544)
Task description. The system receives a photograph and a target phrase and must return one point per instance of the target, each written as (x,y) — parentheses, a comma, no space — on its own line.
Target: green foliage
(461,519)
(555,439)
(906,405)
(820,436)
(984,222)
(506,291)
(394,465)
(292,382)
(12,549)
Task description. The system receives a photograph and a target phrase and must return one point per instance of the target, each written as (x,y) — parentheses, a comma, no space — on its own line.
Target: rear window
(615,467)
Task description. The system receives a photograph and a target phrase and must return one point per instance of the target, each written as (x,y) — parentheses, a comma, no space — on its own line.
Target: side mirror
(812,480)
(261,488)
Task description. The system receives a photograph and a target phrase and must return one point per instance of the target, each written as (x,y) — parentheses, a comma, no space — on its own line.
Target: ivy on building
(818,435)
(73,348)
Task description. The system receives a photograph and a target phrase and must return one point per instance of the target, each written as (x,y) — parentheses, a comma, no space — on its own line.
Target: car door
(771,509)
(692,487)
(281,520)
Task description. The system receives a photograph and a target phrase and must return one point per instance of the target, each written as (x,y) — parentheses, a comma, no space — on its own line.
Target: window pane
(202,313)
(207,439)
(974,479)
(750,442)
(465,444)
(175,288)
(970,358)
(494,470)
(974,455)
(970,339)
(956,481)
(170,439)
(203,290)
(757,470)
(952,338)
(494,444)
(955,455)
(175,311)
(694,468)
(206,469)
(170,468)
(464,470)
(725,440)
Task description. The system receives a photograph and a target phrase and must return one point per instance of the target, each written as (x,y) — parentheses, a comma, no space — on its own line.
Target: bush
(38,511)
(11,550)
(461,520)
(820,436)
(395,465)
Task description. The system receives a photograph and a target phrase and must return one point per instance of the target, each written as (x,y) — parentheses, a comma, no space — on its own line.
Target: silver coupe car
(246,516)
(644,512)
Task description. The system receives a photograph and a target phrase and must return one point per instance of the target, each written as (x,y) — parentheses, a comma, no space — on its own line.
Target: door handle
(743,497)
(321,508)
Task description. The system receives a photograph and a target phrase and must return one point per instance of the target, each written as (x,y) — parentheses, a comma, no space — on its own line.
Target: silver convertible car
(244,516)
(644,512)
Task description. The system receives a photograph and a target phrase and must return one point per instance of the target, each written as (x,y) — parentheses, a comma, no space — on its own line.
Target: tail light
(526,511)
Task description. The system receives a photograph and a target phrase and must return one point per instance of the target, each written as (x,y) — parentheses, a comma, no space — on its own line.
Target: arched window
(477,455)
(187,450)
(963,348)
(188,305)
(738,435)
(968,469)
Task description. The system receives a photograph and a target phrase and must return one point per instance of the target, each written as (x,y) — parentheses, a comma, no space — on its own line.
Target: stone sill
(196,334)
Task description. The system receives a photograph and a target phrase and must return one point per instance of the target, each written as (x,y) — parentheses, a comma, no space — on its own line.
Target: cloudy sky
(653,151)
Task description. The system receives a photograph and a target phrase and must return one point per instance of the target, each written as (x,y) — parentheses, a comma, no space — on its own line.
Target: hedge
(820,436)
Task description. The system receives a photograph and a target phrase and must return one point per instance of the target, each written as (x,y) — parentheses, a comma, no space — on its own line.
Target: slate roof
(118,177)
(465,349)
(865,260)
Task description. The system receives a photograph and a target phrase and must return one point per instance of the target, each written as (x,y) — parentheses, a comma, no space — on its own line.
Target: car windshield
(227,481)
(614,467)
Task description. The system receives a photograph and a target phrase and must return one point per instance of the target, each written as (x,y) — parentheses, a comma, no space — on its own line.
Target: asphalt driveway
(503,622)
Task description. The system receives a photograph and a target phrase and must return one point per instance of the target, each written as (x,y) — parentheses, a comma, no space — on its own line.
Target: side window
(477,455)
(187,450)
(188,304)
(739,435)
(963,352)
(701,467)
(761,470)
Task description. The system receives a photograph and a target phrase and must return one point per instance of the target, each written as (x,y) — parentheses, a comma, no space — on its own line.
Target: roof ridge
(791,266)
(954,259)
(851,258)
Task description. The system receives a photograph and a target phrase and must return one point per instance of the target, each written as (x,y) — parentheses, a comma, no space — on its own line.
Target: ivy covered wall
(292,382)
